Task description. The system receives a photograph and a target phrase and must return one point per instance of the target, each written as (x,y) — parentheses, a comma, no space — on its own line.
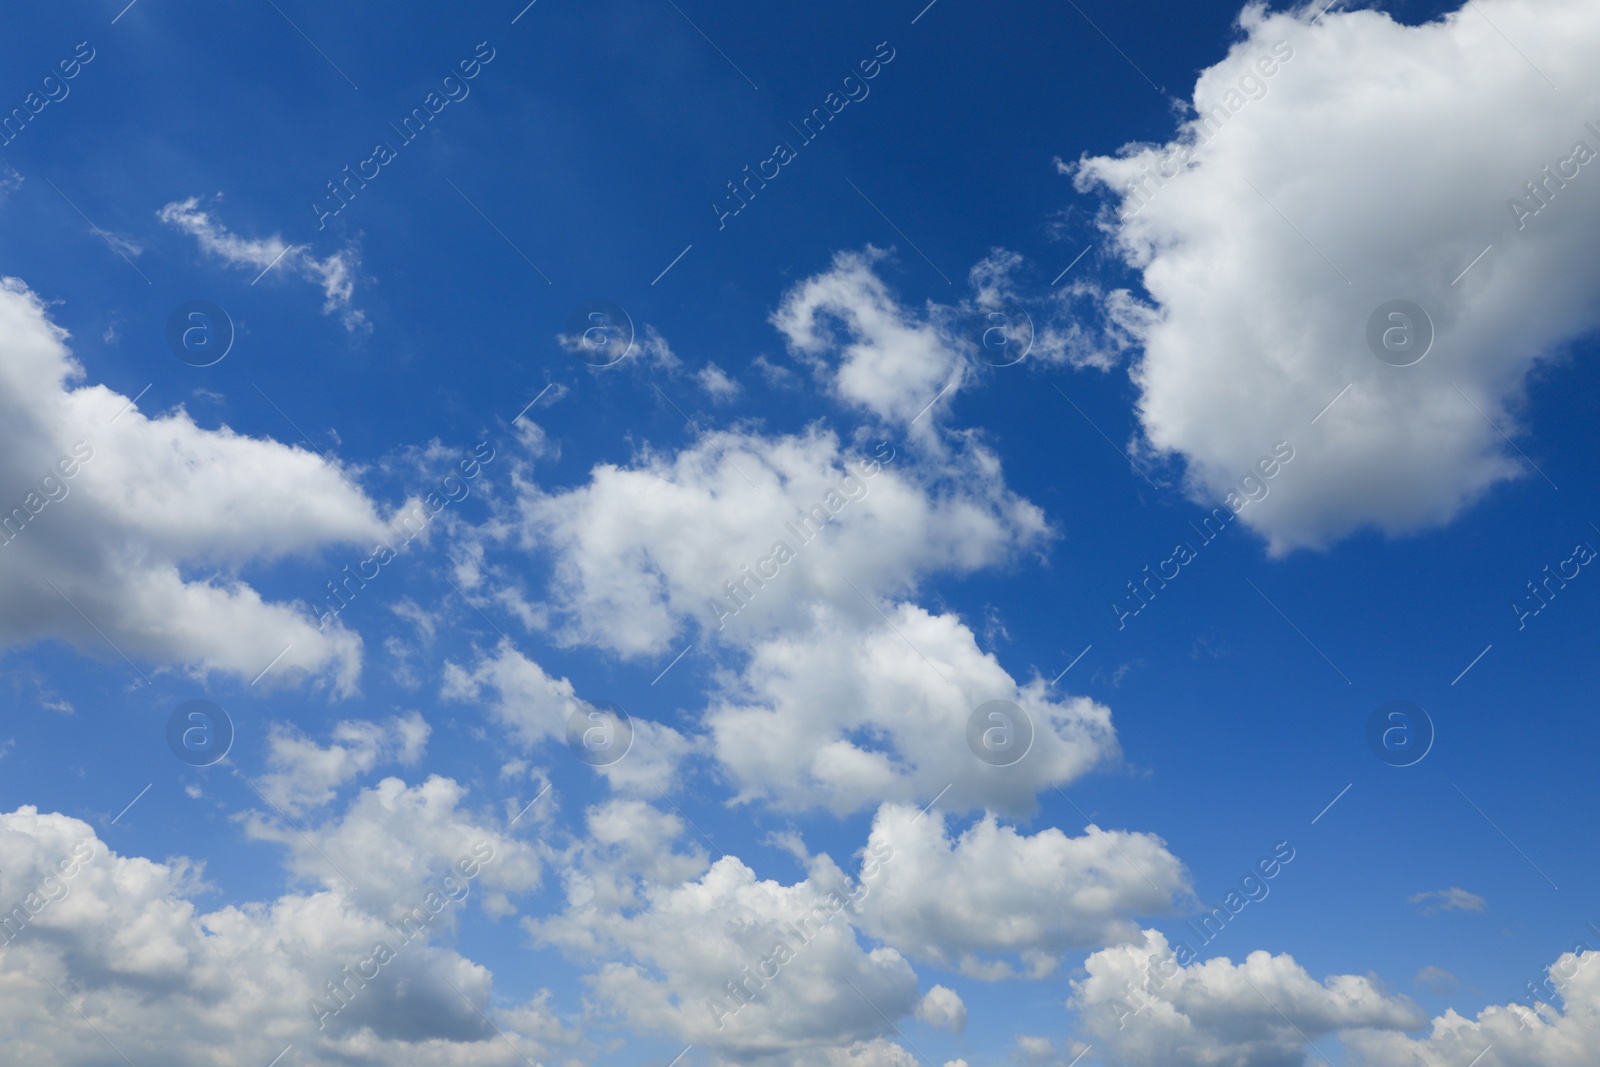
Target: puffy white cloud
(121,940)
(716,383)
(336,274)
(536,709)
(1361,161)
(642,550)
(1142,1008)
(891,360)
(739,967)
(650,766)
(793,558)
(874,354)
(527,701)
(851,711)
(143,542)
(779,551)
(1513,1035)
(305,774)
(841,713)
(629,844)
(992,893)
(394,843)
(942,1007)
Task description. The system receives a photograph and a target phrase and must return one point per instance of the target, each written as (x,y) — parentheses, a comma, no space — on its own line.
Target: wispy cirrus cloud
(1435,901)
(336,273)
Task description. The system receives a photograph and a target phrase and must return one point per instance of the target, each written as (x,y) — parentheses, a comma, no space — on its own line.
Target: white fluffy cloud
(1382,159)
(843,712)
(851,710)
(794,559)
(716,383)
(892,361)
(643,550)
(942,1007)
(873,353)
(1142,1009)
(529,703)
(1513,1034)
(144,541)
(335,274)
(146,971)
(536,708)
(394,842)
(305,774)
(740,967)
(992,894)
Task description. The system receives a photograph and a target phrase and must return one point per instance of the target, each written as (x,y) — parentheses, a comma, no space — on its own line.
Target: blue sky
(979,162)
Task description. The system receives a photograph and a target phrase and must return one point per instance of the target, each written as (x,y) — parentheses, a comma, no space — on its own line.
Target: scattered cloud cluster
(535,708)
(714,956)
(120,947)
(798,565)
(305,775)
(1143,1009)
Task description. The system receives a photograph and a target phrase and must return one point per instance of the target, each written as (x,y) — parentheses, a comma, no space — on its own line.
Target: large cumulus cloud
(140,549)
(1335,164)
